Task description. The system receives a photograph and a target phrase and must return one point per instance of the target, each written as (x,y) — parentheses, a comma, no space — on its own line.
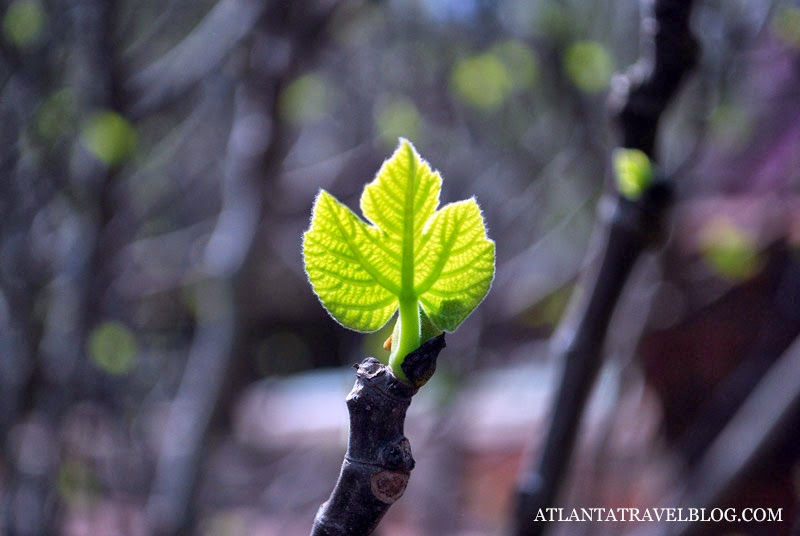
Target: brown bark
(378,461)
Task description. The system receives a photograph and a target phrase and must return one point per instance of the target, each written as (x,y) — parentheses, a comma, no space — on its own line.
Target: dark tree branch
(627,229)
(639,98)
(378,461)
(668,53)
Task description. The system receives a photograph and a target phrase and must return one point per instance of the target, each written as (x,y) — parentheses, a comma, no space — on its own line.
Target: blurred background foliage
(158,162)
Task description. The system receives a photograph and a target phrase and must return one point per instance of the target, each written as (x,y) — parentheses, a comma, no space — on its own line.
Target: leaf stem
(409,335)
(409,304)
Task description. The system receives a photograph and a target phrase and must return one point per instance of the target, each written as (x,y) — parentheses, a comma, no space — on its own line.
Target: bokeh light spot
(729,250)
(109,137)
(23,23)
(588,65)
(112,348)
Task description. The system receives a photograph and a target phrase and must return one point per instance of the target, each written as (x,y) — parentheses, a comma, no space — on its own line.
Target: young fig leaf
(406,255)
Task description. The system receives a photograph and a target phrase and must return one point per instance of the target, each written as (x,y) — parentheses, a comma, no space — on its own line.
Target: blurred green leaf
(109,137)
(486,80)
(729,250)
(554,21)
(786,25)
(520,62)
(588,65)
(76,481)
(731,125)
(55,117)
(112,348)
(305,99)
(482,81)
(398,118)
(633,172)
(23,23)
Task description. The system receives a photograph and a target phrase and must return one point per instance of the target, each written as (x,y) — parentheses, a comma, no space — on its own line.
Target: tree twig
(669,52)
(378,461)
(216,339)
(202,51)
(250,167)
(625,230)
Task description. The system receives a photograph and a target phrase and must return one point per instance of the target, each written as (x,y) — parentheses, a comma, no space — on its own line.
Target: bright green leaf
(633,172)
(109,137)
(455,264)
(409,255)
(345,267)
(112,348)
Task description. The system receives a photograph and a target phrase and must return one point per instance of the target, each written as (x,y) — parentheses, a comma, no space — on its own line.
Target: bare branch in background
(668,54)
(255,151)
(215,336)
(626,228)
(201,52)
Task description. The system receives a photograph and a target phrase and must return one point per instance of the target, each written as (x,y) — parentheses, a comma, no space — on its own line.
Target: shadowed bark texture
(378,461)
(669,52)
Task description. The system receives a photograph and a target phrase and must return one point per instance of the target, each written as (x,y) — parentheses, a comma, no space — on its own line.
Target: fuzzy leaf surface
(406,250)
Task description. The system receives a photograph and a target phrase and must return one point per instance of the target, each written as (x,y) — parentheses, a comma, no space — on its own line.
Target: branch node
(378,461)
